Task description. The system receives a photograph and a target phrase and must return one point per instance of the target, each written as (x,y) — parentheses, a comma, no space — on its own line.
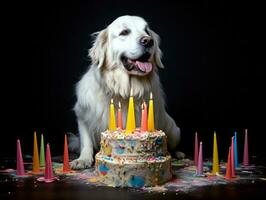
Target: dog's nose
(146,41)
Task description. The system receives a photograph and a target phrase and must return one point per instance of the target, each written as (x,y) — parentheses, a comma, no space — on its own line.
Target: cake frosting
(133,160)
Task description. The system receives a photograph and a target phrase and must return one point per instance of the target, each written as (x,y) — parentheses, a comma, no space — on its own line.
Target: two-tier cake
(134,157)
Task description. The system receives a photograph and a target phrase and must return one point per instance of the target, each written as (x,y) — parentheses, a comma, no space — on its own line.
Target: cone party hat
(20,164)
(66,167)
(215,162)
(36,161)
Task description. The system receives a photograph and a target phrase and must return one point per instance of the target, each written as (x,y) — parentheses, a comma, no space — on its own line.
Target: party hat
(20,163)
(66,167)
(235,150)
(48,173)
(42,154)
(200,162)
(36,161)
(245,156)
(48,167)
(228,174)
(215,162)
(232,158)
(196,150)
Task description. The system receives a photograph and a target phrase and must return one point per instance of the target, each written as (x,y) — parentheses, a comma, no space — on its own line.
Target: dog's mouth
(140,66)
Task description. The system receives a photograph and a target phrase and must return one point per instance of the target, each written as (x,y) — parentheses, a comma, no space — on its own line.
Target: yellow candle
(151,115)
(112,122)
(131,124)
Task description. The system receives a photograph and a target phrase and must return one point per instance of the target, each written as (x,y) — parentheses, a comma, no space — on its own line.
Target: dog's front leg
(86,148)
(173,135)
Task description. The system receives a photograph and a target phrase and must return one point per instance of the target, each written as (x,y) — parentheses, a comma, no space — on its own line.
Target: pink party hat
(200,162)
(245,156)
(20,163)
(48,173)
(196,150)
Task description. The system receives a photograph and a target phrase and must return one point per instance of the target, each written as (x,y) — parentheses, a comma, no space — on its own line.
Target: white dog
(125,56)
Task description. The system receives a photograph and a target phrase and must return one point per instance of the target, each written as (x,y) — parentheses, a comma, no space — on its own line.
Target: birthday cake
(133,160)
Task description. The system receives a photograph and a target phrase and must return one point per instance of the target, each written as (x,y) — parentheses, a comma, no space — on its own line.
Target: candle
(143,117)
(112,123)
(151,115)
(131,124)
(119,116)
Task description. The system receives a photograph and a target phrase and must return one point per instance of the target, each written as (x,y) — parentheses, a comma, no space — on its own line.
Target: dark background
(214,56)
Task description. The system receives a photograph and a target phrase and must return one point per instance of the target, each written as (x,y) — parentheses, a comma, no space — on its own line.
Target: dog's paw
(180,155)
(81,163)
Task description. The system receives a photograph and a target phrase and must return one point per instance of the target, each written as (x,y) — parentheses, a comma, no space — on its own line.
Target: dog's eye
(124,32)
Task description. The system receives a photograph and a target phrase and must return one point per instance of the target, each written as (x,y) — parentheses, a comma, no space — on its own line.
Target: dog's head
(127,44)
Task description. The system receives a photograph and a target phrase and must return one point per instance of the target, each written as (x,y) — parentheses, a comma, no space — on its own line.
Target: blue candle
(235,150)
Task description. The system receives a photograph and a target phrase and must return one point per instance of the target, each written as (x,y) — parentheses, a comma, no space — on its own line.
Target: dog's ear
(98,50)
(158,52)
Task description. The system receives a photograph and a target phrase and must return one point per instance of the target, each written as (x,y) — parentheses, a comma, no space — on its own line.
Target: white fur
(107,78)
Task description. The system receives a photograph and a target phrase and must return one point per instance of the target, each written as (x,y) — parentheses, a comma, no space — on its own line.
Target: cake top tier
(137,134)
(118,144)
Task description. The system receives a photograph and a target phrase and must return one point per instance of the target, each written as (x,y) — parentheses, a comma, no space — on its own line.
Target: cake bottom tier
(138,173)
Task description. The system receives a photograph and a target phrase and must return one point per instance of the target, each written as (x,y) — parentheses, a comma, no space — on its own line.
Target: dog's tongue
(144,66)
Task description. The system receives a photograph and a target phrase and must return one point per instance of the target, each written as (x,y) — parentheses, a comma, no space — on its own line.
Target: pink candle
(144,120)
(119,116)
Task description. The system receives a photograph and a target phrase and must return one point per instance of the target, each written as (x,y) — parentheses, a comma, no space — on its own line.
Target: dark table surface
(57,190)
(12,188)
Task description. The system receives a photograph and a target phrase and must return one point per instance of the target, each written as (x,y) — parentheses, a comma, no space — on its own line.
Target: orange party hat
(228,174)
(66,167)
